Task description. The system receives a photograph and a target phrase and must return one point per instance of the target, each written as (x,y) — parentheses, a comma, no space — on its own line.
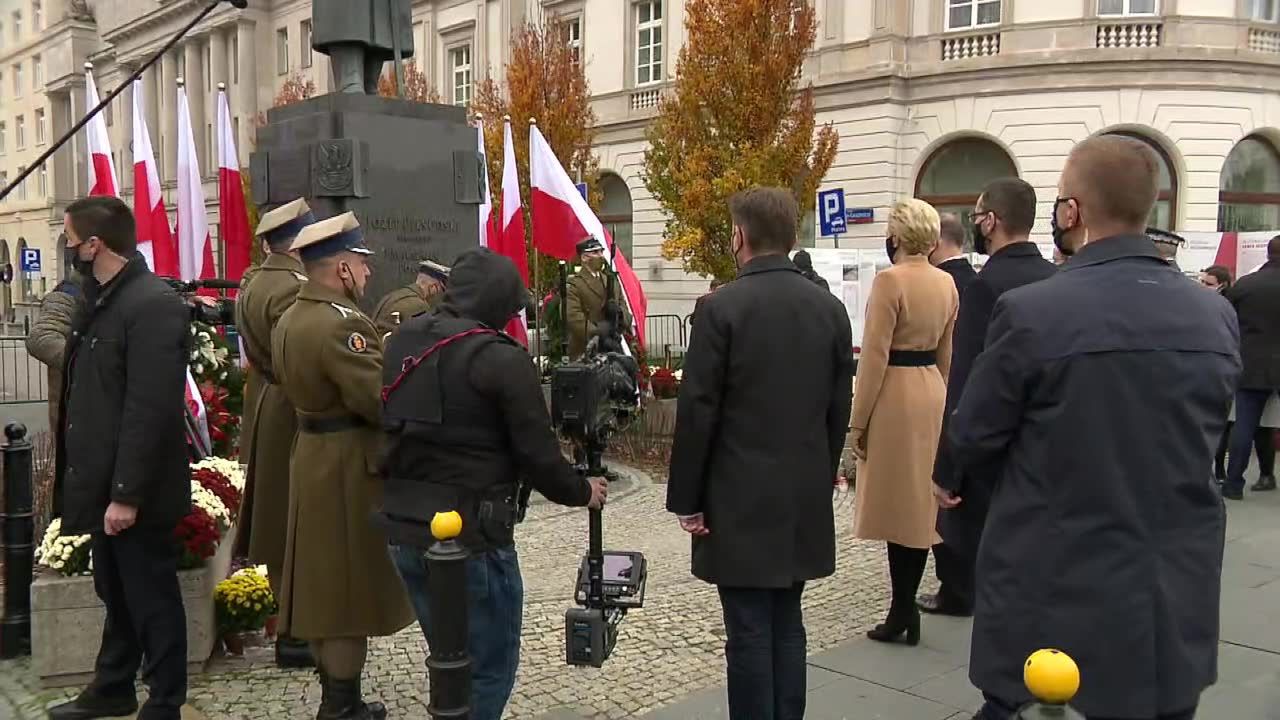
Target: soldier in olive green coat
(585,297)
(340,587)
(414,299)
(262,301)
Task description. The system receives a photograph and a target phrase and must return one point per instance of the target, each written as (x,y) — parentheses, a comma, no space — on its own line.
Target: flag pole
(537,277)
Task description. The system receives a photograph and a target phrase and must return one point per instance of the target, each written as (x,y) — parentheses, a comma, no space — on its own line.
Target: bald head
(1115,179)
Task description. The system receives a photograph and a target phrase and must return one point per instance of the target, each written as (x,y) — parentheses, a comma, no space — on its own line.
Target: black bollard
(448,665)
(17,525)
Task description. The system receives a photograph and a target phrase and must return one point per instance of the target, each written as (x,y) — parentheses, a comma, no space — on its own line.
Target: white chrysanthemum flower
(204,337)
(197,369)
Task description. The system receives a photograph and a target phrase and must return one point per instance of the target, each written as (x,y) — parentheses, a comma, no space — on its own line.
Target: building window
(208,67)
(1,35)
(1249,187)
(235,58)
(952,178)
(21,190)
(615,212)
(1126,7)
(1164,215)
(1263,10)
(17,25)
(37,73)
(2,134)
(37,16)
(43,181)
(571,33)
(16,71)
(460,66)
(19,132)
(282,51)
(40,126)
(304,44)
(968,14)
(648,42)
(180,64)
(108,113)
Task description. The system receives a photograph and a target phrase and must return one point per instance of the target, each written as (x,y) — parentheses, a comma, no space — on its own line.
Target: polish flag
(487,227)
(102,169)
(510,238)
(155,239)
(233,212)
(562,218)
(195,251)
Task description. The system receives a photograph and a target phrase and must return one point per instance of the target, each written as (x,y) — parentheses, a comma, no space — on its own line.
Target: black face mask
(889,248)
(981,243)
(1059,232)
(82,266)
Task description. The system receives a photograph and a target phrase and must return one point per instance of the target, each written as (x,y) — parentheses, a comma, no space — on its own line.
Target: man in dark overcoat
(1002,222)
(1101,396)
(760,425)
(949,256)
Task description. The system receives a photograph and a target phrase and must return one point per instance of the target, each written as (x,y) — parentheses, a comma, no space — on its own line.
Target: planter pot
(660,417)
(67,618)
(269,629)
(234,643)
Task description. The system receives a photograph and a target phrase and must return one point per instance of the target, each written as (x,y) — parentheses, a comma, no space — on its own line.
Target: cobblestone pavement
(671,647)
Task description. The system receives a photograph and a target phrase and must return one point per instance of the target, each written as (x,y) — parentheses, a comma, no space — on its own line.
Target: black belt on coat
(913,358)
(323,425)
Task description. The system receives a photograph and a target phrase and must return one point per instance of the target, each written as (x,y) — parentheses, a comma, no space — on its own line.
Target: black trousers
(954,569)
(1263,445)
(997,709)
(136,576)
(765,652)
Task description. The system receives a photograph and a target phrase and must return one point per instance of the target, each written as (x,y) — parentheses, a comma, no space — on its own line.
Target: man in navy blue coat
(1100,397)
(1002,222)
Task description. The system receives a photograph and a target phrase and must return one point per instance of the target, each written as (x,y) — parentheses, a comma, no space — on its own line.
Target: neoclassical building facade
(930,98)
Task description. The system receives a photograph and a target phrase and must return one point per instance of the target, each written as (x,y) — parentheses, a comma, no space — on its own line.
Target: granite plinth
(67,618)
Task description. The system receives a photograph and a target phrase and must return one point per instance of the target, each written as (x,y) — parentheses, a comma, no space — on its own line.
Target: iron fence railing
(665,336)
(22,377)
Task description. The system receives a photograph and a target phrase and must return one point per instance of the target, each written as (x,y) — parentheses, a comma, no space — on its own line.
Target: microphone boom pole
(112,95)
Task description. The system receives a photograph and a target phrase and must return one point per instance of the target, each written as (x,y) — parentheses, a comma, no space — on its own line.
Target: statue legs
(372,71)
(350,68)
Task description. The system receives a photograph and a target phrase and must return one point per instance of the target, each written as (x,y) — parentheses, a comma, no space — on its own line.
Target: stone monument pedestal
(410,171)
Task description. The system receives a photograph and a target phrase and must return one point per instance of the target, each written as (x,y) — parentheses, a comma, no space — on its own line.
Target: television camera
(210,311)
(592,399)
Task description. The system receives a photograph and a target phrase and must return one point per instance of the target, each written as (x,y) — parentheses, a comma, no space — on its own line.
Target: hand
(599,492)
(203,300)
(119,517)
(858,443)
(945,499)
(695,525)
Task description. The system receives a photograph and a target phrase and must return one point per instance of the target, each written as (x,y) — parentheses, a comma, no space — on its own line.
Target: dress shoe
(898,627)
(936,604)
(1232,493)
(89,707)
(293,653)
(1265,483)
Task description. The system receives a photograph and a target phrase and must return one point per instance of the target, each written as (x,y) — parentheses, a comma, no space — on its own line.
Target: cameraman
(465,419)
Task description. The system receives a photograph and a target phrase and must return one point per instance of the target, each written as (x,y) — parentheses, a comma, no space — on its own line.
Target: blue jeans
(1249,407)
(495,610)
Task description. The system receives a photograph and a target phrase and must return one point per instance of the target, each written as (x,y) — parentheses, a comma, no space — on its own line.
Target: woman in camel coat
(897,408)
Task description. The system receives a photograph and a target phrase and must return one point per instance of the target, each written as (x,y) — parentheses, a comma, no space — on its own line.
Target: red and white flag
(233,212)
(102,168)
(155,239)
(487,226)
(195,251)
(510,236)
(562,218)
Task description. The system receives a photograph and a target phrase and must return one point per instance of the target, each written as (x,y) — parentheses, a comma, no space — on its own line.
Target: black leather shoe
(1265,483)
(1232,493)
(292,653)
(938,605)
(89,707)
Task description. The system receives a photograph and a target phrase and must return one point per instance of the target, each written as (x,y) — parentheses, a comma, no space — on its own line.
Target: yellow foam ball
(446,525)
(1051,676)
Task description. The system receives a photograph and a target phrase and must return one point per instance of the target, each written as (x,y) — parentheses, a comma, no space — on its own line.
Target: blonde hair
(916,226)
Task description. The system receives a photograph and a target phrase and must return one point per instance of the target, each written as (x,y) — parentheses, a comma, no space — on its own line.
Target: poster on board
(1251,251)
(849,273)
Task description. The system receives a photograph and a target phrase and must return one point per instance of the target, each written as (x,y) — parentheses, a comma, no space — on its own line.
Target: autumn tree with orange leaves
(542,80)
(737,118)
(417,88)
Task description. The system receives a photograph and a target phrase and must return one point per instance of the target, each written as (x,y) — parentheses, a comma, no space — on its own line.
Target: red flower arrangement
(218,484)
(197,535)
(223,425)
(664,383)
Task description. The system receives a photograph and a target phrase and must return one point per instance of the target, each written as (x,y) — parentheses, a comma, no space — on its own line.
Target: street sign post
(30,260)
(831,220)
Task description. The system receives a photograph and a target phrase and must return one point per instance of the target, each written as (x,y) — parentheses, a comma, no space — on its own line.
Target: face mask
(1059,232)
(81,264)
(981,243)
(889,247)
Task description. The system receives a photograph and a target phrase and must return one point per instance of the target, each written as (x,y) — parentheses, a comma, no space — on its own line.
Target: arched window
(24,279)
(952,178)
(1249,188)
(1164,214)
(615,212)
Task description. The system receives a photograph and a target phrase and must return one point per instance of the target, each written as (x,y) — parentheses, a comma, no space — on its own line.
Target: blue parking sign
(831,219)
(30,259)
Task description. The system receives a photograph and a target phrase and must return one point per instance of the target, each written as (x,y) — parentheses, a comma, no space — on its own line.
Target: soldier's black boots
(1265,483)
(293,653)
(340,700)
(89,706)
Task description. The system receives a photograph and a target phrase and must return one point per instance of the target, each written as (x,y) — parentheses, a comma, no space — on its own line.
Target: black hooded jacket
(469,420)
(805,265)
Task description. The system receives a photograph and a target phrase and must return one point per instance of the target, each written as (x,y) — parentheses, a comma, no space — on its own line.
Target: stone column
(169,116)
(124,123)
(194,67)
(79,148)
(480,45)
(63,163)
(247,91)
(219,69)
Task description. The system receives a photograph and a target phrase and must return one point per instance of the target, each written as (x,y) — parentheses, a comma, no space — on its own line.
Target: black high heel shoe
(898,629)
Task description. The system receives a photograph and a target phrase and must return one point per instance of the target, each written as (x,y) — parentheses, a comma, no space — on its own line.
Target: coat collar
(316,292)
(134,268)
(1114,248)
(282,261)
(958,260)
(1024,248)
(768,263)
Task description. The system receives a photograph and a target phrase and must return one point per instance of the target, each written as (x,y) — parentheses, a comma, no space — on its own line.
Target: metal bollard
(1053,679)
(17,526)
(448,665)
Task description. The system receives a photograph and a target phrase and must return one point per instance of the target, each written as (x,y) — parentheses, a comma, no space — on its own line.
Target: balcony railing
(1129,35)
(970,46)
(1266,41)
(645,99)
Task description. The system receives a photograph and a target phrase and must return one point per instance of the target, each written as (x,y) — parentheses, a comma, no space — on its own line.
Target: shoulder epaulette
(345,311)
